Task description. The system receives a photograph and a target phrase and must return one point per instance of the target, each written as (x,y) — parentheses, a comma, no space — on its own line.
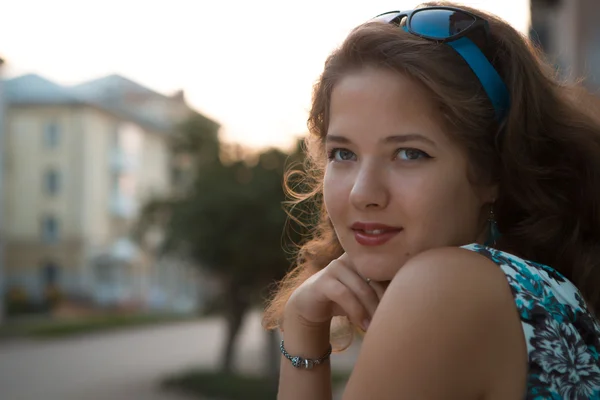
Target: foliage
(51,328)
(232,222)
(229,219)
(18,303)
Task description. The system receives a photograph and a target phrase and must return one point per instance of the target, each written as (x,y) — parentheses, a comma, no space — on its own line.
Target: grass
(87,325)
(218,385)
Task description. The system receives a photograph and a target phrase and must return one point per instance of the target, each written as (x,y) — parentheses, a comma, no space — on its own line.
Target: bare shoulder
(451,283)
(449,328)
(452,269)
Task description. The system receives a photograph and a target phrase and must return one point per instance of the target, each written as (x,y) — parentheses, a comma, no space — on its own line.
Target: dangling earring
(494,233)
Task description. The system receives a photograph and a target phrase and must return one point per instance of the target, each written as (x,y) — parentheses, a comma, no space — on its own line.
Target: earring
(493,232)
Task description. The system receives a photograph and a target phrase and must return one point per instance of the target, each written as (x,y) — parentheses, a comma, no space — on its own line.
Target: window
(50,273)
(50,229)
(52,182)
(51,135)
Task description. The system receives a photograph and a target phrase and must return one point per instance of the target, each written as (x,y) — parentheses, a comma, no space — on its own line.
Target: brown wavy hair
(545,156)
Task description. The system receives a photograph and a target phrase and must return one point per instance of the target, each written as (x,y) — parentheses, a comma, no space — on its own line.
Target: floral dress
(563,336)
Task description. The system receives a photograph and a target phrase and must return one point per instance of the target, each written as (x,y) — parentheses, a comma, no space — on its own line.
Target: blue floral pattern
(563,336)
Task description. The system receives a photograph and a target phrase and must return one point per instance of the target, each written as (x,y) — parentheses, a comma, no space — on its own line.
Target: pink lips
(373,234)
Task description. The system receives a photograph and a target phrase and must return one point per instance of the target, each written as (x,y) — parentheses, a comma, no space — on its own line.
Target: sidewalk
(128,365)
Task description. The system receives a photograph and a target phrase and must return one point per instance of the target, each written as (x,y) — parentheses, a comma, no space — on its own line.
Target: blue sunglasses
(461,30)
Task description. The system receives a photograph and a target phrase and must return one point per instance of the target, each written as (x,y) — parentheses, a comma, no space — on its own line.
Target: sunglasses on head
(466,33)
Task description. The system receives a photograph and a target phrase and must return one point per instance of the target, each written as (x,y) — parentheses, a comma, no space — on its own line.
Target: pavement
(129,364)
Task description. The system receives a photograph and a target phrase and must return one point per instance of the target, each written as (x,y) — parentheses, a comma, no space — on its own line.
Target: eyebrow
(390,139)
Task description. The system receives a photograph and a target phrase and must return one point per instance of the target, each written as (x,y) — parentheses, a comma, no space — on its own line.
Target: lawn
(54,328)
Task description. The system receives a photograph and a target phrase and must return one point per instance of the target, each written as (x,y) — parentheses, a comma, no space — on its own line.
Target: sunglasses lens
(440,23)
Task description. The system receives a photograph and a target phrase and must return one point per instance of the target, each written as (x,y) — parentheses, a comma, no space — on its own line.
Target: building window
(50,229)
(51,135)
(50,272)
(52,182)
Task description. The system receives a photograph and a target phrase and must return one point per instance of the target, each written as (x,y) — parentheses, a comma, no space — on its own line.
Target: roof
(120,93)
(110,84)
(32,89)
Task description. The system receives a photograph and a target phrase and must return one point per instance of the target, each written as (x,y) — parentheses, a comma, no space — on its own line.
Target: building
(80,161)
(2,280)
(569,33)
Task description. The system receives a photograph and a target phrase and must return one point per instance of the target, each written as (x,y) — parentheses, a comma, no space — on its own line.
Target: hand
(336,290)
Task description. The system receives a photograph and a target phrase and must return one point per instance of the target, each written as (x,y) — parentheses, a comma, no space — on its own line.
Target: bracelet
(300,362)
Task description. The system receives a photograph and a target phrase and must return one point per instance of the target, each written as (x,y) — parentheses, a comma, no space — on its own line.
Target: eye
(339,154)
(411,154)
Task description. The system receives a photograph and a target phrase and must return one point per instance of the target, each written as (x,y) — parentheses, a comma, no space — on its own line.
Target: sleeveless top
(562,335)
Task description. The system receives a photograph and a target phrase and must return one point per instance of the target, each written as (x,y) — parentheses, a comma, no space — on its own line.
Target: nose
(370,188)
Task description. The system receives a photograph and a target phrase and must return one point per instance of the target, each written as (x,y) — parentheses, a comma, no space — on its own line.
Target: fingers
(350,294)
(358,284)
(346,303)
(364,291)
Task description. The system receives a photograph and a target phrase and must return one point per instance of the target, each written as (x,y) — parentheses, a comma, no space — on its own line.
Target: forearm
(307,342)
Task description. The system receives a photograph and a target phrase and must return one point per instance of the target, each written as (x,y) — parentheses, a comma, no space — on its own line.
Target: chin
(378,267)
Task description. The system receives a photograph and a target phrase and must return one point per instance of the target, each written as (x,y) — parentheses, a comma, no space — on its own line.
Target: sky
(250,65)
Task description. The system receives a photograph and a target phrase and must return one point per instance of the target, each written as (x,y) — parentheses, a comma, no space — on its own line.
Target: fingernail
(366,324)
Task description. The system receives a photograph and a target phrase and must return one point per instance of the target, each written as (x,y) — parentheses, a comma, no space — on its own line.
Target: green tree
(230,222)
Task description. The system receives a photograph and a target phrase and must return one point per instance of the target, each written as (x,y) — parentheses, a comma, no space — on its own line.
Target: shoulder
(449,317)
(454,283)
(452,270)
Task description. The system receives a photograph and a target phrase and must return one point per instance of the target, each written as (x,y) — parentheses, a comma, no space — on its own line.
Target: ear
(489,194)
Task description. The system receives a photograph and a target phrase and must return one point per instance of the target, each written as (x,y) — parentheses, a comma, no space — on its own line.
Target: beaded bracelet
(300,362)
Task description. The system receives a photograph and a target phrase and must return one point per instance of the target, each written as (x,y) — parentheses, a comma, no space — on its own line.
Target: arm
(335,290)
(447,328)
(302,339)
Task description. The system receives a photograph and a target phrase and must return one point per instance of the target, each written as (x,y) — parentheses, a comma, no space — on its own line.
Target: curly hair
(544,157)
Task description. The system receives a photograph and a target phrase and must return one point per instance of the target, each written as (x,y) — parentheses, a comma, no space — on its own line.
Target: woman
(460,223)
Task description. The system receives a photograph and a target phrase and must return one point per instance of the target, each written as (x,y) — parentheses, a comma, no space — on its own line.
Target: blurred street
(125,365)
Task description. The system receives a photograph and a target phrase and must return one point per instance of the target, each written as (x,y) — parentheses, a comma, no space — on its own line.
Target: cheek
(335,195)
(439,204)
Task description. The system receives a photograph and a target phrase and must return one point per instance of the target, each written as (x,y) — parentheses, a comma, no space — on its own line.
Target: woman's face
(395,184)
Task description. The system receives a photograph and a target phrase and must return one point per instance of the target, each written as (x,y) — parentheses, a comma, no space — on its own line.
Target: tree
(230,222)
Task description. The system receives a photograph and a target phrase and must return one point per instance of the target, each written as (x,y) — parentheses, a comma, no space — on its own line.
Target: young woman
(459,191)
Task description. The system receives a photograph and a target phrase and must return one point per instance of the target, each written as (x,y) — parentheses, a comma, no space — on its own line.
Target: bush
(18,302)
(103,323)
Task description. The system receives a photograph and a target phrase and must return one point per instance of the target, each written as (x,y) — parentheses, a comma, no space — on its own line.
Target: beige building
(569,32)
(80,161)
(2,275)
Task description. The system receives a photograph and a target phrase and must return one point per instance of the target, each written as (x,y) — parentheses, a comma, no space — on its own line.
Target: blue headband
(491,81)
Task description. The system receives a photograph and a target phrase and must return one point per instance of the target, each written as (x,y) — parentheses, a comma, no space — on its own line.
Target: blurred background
(142,150)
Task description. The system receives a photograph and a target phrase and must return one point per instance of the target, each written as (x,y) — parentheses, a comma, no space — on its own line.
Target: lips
(373,234)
